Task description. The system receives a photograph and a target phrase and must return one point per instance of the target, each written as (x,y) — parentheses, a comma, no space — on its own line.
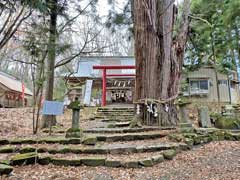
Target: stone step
(126,161)
(120,117)
(119,124)
(115,120)
(115,111)
(49,140)
(91,139)
(127,130)
(115,108)
(132,136)
(5,169)
(105,149)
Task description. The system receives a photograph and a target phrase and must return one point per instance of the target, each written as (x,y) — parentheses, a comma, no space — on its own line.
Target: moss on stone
(7,162)
(157,159)
(146,162)
(75,105)
(111,126)
(5,169)
(227,123)
(66,162)
(176,137)
(23,141)
(130,164)
(89,140)
(64,150)
(135,122)
(93,161)
(27,150)
(112,163)
(74,133)
(73,141)
(169,154)
(7,149)
(27,158)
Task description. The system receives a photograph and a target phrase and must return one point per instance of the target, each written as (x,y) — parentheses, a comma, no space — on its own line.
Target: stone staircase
(114,114)
(118,146)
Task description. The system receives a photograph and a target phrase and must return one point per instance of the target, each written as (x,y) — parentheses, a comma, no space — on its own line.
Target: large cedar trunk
(47,120)
(159,58)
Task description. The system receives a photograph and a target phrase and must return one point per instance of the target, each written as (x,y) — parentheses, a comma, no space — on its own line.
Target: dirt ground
(214,161)
(17,122)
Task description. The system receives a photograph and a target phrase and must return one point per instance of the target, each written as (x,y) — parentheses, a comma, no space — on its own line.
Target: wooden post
(104,89)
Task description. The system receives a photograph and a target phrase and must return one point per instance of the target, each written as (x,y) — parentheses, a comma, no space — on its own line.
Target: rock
(169,154)
(23,141)
(220,135)
(27,150)
(5,169)
(176,137)
(89,140)
(7,149)
(64,150)
(95,150)
(73,141)
(93,161)
(227,123)
(22,159)
(112,163)
(66,162)
(74,133)
(146,162)
(189,142)
(157,159)
(130,164)
(198,139)
(52,151)
(186,130)
(44,160)
(236,136)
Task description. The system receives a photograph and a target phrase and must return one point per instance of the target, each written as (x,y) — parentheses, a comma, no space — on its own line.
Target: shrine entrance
(119,94)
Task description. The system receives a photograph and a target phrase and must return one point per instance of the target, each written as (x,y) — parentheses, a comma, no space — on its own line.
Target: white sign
(88,92)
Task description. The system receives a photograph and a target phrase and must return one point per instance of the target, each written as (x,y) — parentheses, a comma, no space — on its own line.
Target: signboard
(52,108)
(88,92)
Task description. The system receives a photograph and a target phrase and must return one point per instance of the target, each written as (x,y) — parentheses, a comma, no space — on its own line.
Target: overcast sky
(103,6)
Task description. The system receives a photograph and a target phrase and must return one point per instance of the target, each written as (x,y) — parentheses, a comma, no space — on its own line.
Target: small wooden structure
(12,92)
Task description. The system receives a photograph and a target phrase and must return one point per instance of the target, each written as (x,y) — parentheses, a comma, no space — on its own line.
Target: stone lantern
(75,130)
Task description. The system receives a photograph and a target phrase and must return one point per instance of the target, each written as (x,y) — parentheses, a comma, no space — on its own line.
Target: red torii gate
(104,77)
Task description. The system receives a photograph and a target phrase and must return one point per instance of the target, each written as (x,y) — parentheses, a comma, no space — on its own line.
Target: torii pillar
(104,77)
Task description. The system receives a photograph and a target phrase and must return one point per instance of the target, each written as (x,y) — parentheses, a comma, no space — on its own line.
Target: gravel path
(214,161)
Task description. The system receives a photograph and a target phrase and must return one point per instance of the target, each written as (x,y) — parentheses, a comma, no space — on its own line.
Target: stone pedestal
(75,118)
(203,117)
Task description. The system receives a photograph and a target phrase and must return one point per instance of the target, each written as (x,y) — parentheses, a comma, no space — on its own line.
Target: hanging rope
(147,101)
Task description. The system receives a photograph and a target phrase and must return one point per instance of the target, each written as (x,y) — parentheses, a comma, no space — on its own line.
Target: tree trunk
(159,59)
(46,120)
